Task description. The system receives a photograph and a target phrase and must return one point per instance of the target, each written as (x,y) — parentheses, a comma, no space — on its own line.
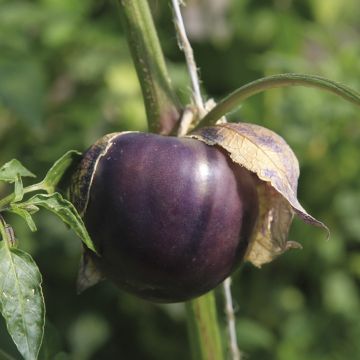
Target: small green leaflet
(19,189)
(57,171)
(10,171)
(66,211)
(25,214)
(21,299)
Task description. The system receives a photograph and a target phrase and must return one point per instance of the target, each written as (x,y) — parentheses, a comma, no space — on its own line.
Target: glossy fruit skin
(170,217)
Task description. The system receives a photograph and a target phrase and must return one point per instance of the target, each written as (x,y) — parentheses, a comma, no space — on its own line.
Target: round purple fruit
(170,217)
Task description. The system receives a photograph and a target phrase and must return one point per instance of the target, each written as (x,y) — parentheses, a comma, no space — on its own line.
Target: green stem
(5,232)
(2,228)
(203,328)
(161,103)
(276,81)
(8,199)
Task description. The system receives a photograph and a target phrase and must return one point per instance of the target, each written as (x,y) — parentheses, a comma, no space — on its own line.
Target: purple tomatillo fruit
(170,217)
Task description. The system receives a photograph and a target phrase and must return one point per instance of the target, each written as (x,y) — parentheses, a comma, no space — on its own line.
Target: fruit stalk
(203,330)
(234,100)
(161,103)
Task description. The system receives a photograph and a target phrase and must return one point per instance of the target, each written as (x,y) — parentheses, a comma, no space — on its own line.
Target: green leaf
(25,214)
(31,209)
(22,302)
(10,171)
(19,189)
(57,171)
(66,211)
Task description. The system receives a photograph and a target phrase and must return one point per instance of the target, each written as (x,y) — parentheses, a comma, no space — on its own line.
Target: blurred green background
(66,78)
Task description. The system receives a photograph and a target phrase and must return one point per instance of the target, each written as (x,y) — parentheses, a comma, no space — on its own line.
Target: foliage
(66,79)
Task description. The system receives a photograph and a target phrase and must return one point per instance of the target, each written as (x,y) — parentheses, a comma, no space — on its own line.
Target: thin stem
(2,226)
(184,45)
(203,328)
(276,81)
(186,121)
(8,199)
(161,103)
(230,316)
(7,233)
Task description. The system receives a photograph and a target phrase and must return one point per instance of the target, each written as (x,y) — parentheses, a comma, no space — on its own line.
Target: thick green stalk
(163,112)
(203,328)
(233,100)
(162,106)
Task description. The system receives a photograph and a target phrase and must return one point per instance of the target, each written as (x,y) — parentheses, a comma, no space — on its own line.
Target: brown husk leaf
(266,154)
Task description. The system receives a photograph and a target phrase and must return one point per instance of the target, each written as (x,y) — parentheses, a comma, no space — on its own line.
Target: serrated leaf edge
(20,302)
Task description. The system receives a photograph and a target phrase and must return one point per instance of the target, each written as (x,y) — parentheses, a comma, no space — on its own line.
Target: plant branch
(233,100)
(8,199)
(230,316)
(184,45)
(7,233)
(203,328)
(162,106)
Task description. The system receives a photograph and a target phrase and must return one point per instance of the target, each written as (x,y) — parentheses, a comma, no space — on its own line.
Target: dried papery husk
(267,155)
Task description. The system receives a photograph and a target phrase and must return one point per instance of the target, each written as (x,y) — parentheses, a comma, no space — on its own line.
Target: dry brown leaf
(266,154)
